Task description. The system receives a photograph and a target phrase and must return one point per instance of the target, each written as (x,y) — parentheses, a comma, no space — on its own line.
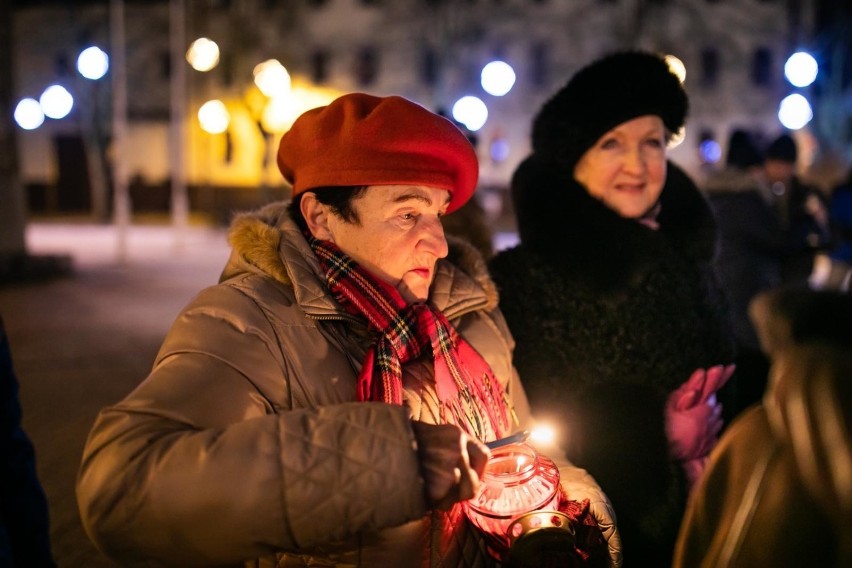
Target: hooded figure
(621,329)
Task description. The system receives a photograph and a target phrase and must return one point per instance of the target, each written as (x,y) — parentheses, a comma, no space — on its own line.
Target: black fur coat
(609,317)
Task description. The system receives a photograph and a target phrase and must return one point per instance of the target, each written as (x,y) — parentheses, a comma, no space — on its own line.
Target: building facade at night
(431,51)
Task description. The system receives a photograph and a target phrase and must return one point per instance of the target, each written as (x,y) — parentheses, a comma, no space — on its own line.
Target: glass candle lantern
(517,480)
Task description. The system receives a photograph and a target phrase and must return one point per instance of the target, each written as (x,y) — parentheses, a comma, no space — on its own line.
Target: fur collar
(255,239)
(559,220)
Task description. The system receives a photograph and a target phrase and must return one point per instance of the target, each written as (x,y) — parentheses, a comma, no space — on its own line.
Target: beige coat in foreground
(246,442)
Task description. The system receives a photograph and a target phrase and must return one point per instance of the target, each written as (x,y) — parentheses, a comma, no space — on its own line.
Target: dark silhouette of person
(24,521)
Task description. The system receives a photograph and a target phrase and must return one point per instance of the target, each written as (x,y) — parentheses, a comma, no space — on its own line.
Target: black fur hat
(743,152)
(617,88)
(783,149)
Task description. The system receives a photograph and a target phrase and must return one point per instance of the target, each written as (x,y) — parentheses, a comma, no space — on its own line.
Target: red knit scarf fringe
(467,389)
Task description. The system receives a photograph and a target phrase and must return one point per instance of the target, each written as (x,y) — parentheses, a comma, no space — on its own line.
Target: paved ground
(83,341)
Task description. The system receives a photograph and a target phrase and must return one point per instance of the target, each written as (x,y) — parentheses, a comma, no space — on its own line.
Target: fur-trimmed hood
(256,241)
(557,218)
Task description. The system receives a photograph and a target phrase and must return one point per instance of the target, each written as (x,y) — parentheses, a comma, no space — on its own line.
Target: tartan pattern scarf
(467,389)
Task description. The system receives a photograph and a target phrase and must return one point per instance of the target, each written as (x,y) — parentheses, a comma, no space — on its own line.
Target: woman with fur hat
(621,330)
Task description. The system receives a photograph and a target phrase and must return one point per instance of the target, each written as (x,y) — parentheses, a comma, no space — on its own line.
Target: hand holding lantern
(451,463)
(521,507)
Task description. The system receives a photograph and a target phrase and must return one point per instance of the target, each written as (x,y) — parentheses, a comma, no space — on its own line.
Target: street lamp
(214,117)
(471,112)
(497,78)
(28,114)
(676,66)
(272,78)
(203,54)
(93,63)
(801,69)
(56,102)
(795,111)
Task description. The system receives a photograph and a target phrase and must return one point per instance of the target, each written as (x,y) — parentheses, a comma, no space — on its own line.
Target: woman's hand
(451,463)
(579,485)
(694,418)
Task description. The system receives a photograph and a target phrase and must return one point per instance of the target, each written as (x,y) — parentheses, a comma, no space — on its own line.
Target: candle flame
(542,434)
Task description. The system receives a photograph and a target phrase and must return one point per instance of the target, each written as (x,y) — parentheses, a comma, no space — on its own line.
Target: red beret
(361,139)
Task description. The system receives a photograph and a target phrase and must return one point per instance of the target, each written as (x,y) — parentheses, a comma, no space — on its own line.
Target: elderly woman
(621,329)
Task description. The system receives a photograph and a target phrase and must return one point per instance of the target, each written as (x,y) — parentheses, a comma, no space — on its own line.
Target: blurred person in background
(326,402)
(776,492)
(837,274)
(621,328)
(802,211)
(24,519)
(750,258)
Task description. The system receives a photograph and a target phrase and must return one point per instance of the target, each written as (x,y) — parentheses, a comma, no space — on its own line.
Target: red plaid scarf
(467,389)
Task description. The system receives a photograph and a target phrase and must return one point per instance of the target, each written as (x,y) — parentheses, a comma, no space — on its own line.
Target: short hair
(339,198)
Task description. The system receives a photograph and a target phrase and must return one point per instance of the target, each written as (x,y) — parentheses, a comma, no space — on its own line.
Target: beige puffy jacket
(246,442)
(777,492)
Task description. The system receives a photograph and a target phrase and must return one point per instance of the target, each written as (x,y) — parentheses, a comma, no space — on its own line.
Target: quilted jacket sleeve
(201,465)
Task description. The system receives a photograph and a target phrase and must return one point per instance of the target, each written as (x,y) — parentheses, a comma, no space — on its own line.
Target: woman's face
(626,167)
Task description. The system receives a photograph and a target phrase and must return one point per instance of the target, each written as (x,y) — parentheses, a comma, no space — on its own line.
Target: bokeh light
(499,150)
(271,78)
(497,78)
(677,138)
(28,114)
(676,66)
(93,63)
(710,151)
(795,111)
(471,112)
(280,113)
(56,102)
(203,54)
(214,117)
(801,69)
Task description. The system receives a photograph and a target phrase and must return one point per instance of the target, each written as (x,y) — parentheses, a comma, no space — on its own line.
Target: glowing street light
(471,112)
(56,101)
(28,114)
(710,151)
(214,117)
(280,113)
(801,69)
(676,66)
(93,63)
(271,78)
(795,111)
(203,54)
(497,78)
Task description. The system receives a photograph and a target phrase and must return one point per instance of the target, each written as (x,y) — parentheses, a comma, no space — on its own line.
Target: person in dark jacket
(837,271)
(776,492)
(802,211)
(750,259)
(24,520)
(621,329)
